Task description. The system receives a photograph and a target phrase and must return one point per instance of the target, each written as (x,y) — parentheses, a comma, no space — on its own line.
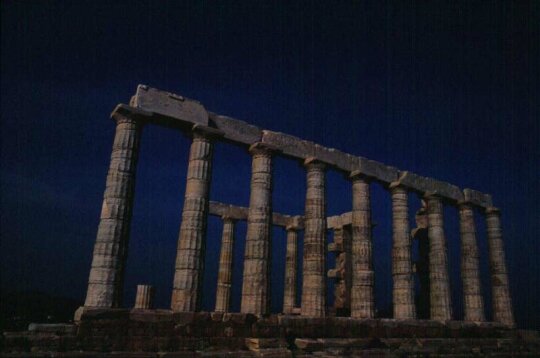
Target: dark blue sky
(444,89)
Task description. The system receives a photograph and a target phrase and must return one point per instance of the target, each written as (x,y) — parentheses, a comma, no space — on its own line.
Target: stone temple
(102,327)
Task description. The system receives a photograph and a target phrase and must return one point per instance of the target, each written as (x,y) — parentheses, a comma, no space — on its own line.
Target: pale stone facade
(353,231)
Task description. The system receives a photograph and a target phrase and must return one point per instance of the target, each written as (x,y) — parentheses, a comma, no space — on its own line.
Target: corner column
(470,265)
(255,286)
(314,285)
(291,267)
(191,241)
(362,301)
(223,292)
(106,280)
(402,273)
(502,303)
(441,309)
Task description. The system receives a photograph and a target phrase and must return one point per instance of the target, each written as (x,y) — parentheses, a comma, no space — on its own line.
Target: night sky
(447,90)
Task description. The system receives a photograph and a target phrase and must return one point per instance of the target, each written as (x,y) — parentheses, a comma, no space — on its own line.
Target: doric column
(191,241)
(291,267)
(441,308)
(105,284)
(502,303)
(314,285)
(470,266)
(145,297)
(362,301)
(223,292)
(255,286)
(402,274)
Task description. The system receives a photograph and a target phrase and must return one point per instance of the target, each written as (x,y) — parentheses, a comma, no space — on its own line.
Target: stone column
(402,273)
(314,285)
(502,303)
(362,301)
(223,292)
(470,265)
(441,309)
(291,267)
(191,241)
(145,297)
(105,284)
(255,287)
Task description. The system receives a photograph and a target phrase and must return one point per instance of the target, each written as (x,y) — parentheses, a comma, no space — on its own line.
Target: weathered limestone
(291,270)
(441,309)
(342,273)
(502,303)
(224,282)
(241,213)
(314,285)
(421,265)
(470,265)
(362,300)
(255,288)
(191,241)
(429,185)
(403,292)
(106,280)
(145,297)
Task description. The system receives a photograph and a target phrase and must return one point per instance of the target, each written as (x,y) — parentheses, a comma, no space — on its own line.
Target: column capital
(428,195)
(292,227)
(492,211)
(202,131)
(123,112)
(313,162)
(464,204)
(262,148)
(396,185)
(358,175)
(229,218)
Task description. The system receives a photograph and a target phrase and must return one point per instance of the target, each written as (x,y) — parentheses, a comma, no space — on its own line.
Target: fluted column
(441,308)
(255,286)
(502,303)
(191,241)
(314,285)
(362,301)
(402,274)
(470,265)
(145,297)
(223,292)
(106,280)
(291,267)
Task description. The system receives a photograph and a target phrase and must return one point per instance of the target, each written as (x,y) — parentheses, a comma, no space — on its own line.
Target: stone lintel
(374,170)
(431,186)
(206,131)
(477,198)
(123,110)
(338,221)
(295,223)
(170,105)
(235,130)
(234,212)
(314,161)
(492,210)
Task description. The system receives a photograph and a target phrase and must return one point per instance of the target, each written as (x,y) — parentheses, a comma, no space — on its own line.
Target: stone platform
(162,333)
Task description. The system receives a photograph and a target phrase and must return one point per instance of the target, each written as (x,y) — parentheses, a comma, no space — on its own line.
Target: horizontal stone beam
(182,111)
(241,213)
(425,185)
(477,198)
(338,221)
(170,105)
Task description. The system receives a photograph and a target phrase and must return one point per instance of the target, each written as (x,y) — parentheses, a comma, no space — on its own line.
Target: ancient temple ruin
(311,326)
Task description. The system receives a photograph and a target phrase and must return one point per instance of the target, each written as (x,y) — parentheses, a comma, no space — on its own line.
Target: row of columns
(106,275)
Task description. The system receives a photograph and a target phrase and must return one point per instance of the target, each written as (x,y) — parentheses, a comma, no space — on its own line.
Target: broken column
(470,265)
(223,291)
(362,300)
(255,287)
(314,285)
(191,241)
(441,309)
(291,268)
(145,297)
(106,280)
(502,303)
(402,274)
